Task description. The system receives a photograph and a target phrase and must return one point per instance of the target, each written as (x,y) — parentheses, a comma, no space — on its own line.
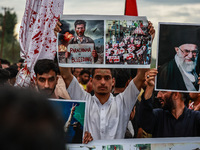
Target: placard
(73,113)
(137,144)
(178,57)
(118,42)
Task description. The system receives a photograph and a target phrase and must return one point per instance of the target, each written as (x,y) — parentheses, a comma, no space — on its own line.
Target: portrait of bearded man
(178,65)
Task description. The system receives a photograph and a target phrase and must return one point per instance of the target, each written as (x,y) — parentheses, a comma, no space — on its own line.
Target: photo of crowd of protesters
(128,42)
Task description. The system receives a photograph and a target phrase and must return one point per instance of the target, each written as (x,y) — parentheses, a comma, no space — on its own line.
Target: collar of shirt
(77,39)
(106,103)
(180,117)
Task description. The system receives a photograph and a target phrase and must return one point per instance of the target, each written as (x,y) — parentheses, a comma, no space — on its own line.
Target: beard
(187,66)
(85,81)
(47,91)
(169,104)
(101,93)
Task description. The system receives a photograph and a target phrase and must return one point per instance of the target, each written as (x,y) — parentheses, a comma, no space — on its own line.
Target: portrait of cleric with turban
(178,57)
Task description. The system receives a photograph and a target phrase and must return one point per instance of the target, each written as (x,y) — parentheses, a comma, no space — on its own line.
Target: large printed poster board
(104,41)
(73,114)
(140,144)
(178,57)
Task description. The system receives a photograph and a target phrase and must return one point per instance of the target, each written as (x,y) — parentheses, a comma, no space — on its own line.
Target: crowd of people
(116,106)
(121,103)
(9,72)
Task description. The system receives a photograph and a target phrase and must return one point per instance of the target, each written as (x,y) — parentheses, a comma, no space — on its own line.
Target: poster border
(134,141)
(65,100)
(171,23)
(103,17)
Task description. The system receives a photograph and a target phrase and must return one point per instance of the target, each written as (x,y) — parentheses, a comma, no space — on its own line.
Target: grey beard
(187,66)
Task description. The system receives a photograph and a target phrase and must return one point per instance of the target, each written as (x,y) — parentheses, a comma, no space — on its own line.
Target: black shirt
(161,123)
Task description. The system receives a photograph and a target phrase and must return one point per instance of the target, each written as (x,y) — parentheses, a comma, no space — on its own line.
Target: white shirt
(107,121)
(130,128)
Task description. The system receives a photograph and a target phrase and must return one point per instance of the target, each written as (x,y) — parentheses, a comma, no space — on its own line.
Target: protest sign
(73,113)
(125,38)
(80,53)
(178,57)
(137,144)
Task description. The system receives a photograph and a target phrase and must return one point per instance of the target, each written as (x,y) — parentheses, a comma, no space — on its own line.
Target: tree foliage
(11,48)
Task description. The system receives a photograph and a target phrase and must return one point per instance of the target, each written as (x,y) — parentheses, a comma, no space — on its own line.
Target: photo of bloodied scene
(81,41)
(127,42)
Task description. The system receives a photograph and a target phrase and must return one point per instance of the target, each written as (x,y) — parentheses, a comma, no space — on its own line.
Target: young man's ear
(113,81)
(36,80)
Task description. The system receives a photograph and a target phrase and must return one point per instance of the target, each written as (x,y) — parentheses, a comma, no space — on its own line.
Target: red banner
(131,8)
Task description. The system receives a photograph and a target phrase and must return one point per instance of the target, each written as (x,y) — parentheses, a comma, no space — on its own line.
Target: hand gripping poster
(104,41)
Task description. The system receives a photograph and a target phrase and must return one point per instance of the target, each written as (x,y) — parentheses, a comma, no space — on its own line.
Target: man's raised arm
(66,75)
(57,28)
(140,78)
(147,117)
(150,83)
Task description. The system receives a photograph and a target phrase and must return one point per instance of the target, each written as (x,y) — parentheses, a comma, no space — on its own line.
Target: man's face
(80,29)
(166,100)
(4,66)
(46,82)
(188,54)
(102,81)
(77,72)
(84,78)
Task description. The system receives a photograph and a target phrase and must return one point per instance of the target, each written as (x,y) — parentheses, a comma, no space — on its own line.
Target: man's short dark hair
(44,66)
(85,71)
(21,61)
(13,71)
(78,22)
(4,61)
(111,70)
(121,77)
(4,76)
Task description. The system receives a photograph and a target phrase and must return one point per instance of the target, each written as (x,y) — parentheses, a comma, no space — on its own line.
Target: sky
(181,11)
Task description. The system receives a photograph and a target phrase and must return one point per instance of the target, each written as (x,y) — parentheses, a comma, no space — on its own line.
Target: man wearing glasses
(180,73)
